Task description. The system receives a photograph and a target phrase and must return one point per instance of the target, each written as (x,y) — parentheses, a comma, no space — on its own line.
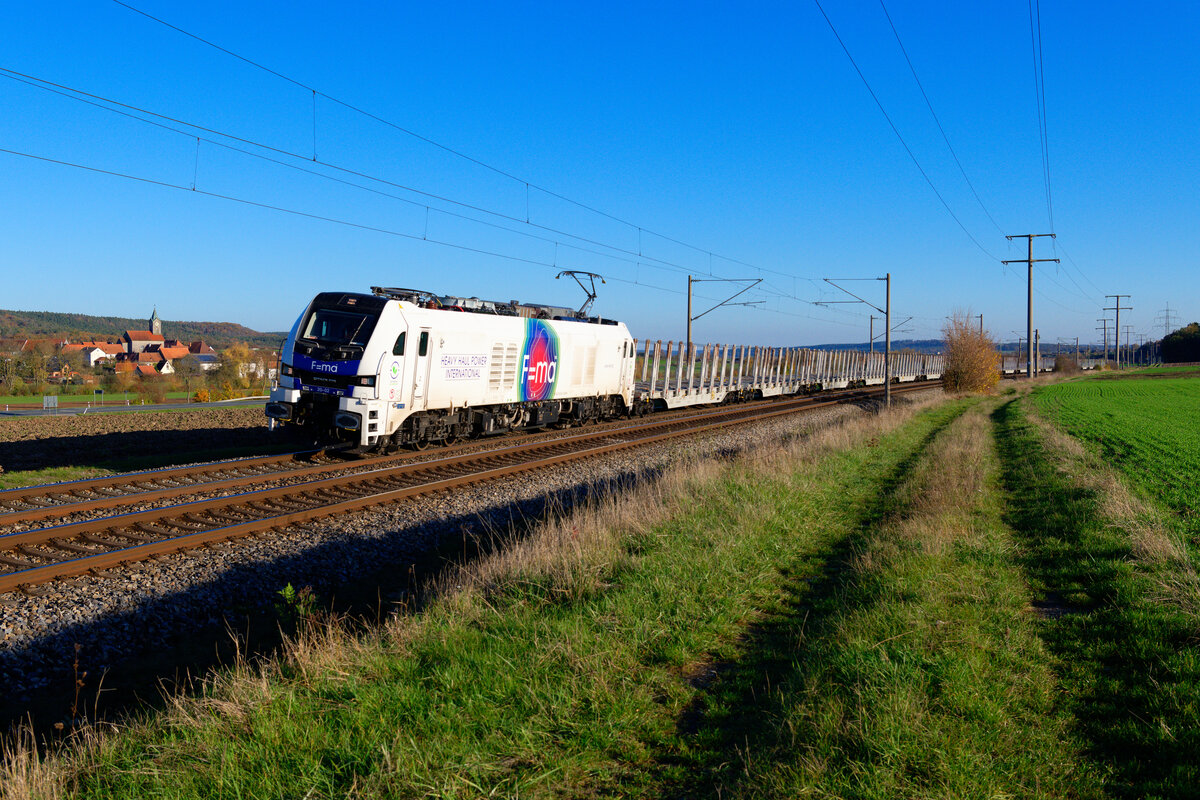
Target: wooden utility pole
(981,324)
(1129,354)
(1117,327)
(1029,299)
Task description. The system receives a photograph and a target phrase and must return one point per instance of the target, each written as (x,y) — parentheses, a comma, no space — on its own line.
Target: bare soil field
(111,440)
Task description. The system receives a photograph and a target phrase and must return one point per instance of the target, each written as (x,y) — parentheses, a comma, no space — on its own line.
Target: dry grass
(949,484)
(939,497)
(1150,534)
(569,554)
(26,776)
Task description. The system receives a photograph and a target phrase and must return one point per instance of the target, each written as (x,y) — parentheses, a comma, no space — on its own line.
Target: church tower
(155,323)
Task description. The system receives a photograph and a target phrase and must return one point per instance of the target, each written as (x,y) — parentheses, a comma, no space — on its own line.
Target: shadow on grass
(734,716)
(1129,663)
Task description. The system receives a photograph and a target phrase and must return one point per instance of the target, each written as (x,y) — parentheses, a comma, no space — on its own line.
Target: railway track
(65,500)
(32,557)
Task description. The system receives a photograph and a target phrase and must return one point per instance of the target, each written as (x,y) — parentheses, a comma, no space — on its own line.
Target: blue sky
(731,139)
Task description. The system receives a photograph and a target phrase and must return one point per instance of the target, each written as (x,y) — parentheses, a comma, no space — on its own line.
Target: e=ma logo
(539,361)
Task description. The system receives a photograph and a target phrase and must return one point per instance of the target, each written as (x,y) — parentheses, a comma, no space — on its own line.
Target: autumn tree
(233,365)
(972,361)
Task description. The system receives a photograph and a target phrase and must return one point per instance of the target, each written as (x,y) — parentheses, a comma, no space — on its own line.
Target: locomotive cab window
(338,327)
(423,346)
(398,347)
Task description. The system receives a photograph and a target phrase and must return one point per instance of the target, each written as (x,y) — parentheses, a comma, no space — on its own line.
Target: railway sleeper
(105,543)
(156,533)
(33,551)
(67,544)
(276,506)
(226,516)
(15,562)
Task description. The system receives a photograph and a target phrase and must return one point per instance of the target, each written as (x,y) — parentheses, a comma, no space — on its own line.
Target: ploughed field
(92,443)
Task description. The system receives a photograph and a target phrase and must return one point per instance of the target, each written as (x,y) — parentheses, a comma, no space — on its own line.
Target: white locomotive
(404,367)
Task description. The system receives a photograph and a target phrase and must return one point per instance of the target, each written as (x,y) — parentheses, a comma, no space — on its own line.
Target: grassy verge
(36,477)
(1117,595)
(129,463)
(848,615)
(563,666)
(918,671)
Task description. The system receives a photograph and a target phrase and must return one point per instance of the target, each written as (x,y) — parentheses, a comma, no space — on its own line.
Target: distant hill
(47,324)
(912,345)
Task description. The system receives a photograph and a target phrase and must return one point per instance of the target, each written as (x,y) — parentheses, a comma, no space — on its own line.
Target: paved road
(118,407)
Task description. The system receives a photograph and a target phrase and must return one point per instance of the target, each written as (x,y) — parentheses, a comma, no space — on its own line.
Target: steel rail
(147,487)
(24,493)
(430,476)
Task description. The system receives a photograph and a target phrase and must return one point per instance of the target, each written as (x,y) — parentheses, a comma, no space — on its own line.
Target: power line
(342,222)
(937,121)
(432,142)
(116,107)
(123,109)
(896,131)
(1058,246)
(1046,274)
(1039,82)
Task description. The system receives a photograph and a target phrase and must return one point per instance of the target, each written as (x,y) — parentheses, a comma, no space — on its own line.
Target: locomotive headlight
(286,369)
(365,380)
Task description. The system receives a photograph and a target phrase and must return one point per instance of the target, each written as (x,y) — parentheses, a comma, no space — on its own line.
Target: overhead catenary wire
(434,143)
(150,118)
(324,218)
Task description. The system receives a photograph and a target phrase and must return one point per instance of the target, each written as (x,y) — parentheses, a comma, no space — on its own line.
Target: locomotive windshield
(339,327)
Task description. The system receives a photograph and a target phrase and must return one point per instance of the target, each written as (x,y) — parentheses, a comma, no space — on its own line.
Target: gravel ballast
(173,602)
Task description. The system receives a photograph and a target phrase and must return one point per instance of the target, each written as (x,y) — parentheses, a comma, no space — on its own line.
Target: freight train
(404,367)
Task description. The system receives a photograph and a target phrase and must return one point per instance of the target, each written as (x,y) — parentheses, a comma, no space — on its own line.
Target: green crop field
(1145,428)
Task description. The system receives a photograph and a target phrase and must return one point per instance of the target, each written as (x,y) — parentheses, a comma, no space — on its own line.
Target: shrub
(150,390)
(972,361)
(1066,365)
(201,396)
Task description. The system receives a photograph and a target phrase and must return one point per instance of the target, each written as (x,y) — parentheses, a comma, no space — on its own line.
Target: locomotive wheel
(420,444)
(450,439)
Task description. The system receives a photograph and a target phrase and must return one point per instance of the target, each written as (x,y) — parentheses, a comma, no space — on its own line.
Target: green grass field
(1148,429)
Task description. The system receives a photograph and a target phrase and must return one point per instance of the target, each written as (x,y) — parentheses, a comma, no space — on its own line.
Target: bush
(1066,365)
(200,396)
(150,390)
(972,361)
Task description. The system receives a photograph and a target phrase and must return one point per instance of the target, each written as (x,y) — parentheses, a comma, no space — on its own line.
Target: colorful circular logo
(539,361)
(395,370)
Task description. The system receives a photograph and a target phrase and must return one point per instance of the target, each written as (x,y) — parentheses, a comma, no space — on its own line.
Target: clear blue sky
(740,130)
